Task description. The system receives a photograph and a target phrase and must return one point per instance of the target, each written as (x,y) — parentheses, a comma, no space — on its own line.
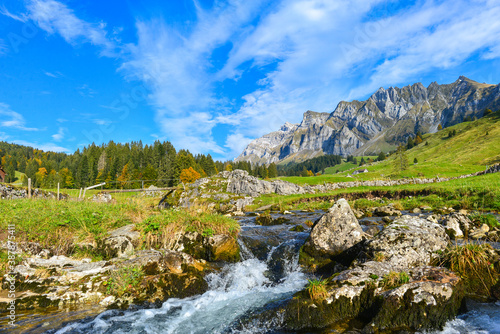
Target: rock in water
(408,242)
(335,232)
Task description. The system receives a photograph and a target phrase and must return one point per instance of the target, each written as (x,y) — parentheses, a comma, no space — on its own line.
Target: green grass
(160,230)
(60,223)
(476,193)
(317,289)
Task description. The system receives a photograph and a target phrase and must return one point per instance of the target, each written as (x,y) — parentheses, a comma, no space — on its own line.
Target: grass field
(476,193)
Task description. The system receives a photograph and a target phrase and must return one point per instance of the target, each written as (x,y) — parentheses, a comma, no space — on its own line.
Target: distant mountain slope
(381,122)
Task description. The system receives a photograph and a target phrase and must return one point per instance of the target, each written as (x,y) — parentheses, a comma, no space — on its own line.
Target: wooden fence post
(57,190)
(29,187)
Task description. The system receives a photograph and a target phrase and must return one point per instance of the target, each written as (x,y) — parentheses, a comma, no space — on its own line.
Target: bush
(124,279)
(316,289)
(472,263)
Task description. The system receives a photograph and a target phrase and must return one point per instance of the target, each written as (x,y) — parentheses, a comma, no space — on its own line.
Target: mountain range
(380,123)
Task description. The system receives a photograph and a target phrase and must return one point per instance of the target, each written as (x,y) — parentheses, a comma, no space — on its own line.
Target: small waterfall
(234,291)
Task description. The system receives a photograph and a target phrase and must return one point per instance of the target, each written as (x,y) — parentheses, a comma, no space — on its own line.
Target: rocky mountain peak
(313,118)
(288,127)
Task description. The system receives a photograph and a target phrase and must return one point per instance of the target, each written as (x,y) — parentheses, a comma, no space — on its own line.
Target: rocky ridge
(388,117)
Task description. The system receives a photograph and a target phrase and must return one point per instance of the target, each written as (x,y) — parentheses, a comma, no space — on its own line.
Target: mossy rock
(405,314)
(297,228)
(303,313)
(223,248)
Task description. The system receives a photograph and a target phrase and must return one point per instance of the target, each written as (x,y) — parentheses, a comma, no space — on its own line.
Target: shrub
(472,262)
(124,279)
(316,289)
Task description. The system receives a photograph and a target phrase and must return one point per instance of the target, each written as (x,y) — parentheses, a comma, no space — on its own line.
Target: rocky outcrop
(120,242)
(406,243)
(211,248)
(389,285)
(385,119)
(335,232)
(428,298)
(61,281)
(240,182)
(457,224)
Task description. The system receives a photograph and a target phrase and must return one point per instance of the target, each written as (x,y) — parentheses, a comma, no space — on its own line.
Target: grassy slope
(473,148)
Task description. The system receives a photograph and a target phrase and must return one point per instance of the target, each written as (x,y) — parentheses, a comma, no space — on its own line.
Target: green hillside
(474,147)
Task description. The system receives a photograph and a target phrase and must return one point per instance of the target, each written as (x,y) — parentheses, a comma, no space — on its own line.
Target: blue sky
(210,76)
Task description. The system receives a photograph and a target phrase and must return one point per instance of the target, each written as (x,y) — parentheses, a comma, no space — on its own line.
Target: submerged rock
(387,210)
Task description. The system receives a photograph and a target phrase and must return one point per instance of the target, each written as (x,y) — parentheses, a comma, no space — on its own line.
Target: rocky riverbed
(377,274)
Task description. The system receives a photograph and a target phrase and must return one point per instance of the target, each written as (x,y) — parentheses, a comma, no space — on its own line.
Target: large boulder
(334,232)
(407,242)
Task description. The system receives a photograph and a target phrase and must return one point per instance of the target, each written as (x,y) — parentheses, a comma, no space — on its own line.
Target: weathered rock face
(335,232)
(209,248)
(429,298)
(61,281)
(120,242)
(240,182)
(389,116)
(407,242)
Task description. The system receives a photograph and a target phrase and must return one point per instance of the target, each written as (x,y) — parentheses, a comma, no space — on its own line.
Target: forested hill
(112,163)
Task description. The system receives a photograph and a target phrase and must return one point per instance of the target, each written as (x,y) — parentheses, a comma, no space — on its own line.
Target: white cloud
(53,75)
(6,12)
(60,134)
(102,121)
(12,119)
(86,91)
(44,146)
(56,18)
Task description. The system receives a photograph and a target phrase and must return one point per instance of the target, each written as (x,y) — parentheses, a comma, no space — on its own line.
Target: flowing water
(268,274)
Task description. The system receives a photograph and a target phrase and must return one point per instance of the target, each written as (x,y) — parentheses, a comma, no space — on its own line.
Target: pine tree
(273,171)
(401,160)
(381,156)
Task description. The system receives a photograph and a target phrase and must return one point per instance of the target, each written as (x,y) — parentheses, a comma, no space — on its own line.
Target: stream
(268,274)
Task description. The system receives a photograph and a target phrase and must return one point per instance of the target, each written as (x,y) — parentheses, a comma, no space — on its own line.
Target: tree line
(119,165)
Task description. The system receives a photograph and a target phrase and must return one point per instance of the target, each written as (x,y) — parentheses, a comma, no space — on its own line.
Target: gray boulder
(408,242)
(459,223)
(387,210)
(335,232)
(120,242)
